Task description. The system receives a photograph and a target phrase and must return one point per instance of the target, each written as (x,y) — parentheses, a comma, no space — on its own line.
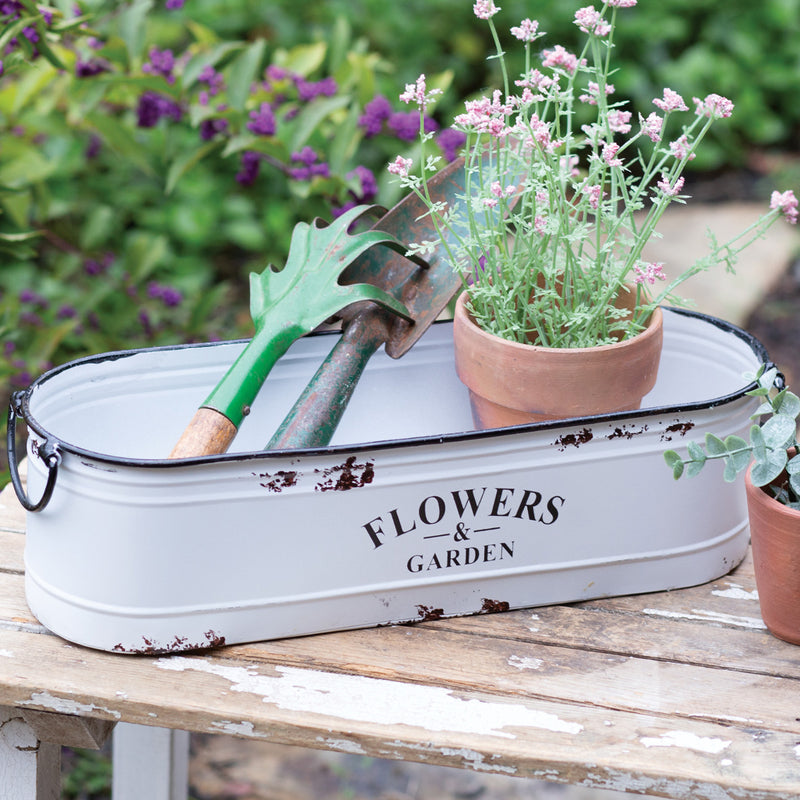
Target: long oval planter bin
(408,515)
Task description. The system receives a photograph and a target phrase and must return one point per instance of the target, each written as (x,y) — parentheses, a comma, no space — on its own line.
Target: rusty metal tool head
(424,292)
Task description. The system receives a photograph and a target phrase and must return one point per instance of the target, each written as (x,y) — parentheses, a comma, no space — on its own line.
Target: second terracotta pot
(512,383)
(775,536)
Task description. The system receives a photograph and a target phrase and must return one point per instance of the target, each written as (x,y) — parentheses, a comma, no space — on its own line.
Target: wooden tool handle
(208,433)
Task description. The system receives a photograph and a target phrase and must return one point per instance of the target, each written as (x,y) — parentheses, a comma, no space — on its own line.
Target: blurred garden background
(154,152)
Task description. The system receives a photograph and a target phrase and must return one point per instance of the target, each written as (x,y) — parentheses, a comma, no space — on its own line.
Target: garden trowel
(424,292)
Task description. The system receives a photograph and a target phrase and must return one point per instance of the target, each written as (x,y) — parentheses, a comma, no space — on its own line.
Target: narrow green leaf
(132,22)
(183,164)
(308,120)
(244,71)
(120,139)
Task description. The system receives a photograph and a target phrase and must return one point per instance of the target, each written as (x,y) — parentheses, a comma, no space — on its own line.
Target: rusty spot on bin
(680,428)
(426,614)
(574,439)
(624,432)
(346,476)
(278,481)
(178,645)
(493,606)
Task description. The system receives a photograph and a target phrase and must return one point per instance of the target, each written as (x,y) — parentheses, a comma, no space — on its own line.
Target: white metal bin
(409,514)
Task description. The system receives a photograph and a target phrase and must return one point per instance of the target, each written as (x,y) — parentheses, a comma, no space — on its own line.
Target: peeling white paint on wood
(736,592)
(709,616)
(797,751)
(533,628)
(65,705)
(27,627)
(235,728)
(525,662)
(470,758)
(376,700)
(342,745)
(690,741)
(6,654)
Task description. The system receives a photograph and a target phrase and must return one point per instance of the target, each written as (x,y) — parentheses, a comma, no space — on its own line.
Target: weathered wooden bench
(679,694)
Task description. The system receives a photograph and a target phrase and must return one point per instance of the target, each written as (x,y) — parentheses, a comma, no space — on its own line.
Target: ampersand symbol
(461,533)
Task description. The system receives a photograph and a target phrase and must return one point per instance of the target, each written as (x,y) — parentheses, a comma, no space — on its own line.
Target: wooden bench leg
(149,762)
(29,769)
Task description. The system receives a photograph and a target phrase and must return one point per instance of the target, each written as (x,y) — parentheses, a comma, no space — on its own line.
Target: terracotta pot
(775,535)
(512,383)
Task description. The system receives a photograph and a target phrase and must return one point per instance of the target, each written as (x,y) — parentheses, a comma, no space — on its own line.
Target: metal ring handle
(48,452)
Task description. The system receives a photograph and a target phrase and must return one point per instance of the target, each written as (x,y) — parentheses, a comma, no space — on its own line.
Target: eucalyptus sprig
(772,449)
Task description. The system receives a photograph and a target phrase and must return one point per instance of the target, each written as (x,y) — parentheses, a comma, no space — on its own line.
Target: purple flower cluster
(90,68)
(93,267)
(209,128)
(213,80)
(168,295)
(152,107)
(367,190)
(251,161)
(310,166)
(262,121)
(379,117)
(309,90)
(162,62)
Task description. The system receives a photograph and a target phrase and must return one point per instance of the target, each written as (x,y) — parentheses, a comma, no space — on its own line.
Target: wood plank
(68,730)
(669,638)
(14,611)
(12,552)
(12,514)
(518,734)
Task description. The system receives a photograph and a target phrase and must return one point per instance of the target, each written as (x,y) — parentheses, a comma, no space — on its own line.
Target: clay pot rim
(651,330)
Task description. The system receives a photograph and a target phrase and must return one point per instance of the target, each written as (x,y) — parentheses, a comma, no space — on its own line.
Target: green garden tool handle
(319,409)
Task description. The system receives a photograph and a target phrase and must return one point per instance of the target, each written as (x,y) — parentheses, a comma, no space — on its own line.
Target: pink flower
(526,31)
(680,148)
(569,164)
(485,115)
(596,194)
(609,154)
(485,9)
(490,202)
(787,203)
(622,3)
(540,225)
(559,57)
(651,127)
(670,190)
(619,121)
(418,93)
(649,272)
(713,106)
(672,101)
(400,166)
(591,21)
(594,93)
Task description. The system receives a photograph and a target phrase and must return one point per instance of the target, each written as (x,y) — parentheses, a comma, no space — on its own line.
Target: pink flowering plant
(560,209)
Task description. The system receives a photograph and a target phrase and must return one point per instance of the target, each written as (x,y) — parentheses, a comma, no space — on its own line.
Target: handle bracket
(48,452)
